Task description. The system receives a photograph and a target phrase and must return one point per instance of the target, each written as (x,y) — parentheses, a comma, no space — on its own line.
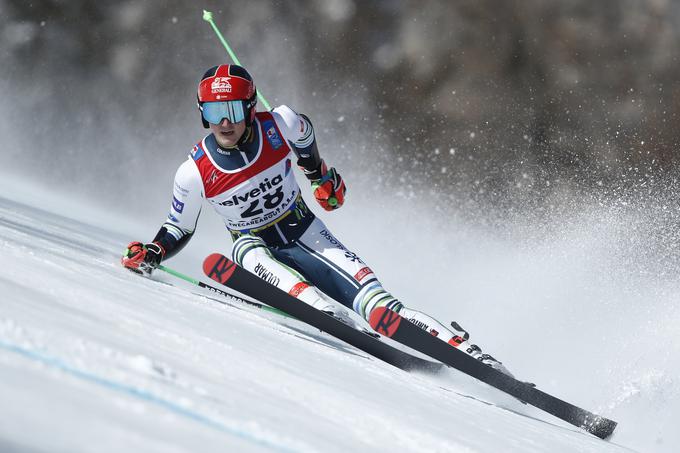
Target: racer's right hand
(142,258)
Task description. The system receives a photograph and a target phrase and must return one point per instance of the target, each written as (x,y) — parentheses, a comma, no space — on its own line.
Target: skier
(243,168)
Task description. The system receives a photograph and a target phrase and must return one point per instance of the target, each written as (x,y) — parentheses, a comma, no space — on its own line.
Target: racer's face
(228,134)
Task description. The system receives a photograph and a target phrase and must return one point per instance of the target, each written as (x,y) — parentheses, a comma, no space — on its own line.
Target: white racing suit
(276,236)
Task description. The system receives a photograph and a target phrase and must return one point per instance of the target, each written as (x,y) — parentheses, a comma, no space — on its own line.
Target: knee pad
(244,245)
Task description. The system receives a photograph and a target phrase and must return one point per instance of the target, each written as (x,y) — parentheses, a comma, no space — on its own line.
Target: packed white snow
(94,358)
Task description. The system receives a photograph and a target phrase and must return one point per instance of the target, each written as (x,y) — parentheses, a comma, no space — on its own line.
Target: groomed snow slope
(96,359)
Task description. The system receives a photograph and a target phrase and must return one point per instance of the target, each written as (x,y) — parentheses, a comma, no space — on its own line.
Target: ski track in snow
(140,394)
(95,358)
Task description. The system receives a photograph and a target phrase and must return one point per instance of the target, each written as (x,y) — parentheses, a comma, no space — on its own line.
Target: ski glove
(142,258)
(330,190)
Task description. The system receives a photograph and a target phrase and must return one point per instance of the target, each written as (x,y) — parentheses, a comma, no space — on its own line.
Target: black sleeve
(170,243)
(308,157)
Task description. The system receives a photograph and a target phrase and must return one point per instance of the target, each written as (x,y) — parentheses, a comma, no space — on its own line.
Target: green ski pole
(220,291)
(208,17)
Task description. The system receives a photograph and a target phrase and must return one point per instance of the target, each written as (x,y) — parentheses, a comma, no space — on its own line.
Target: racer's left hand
(330,190)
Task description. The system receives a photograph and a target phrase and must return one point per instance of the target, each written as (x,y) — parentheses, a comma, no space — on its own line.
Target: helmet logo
(221,85)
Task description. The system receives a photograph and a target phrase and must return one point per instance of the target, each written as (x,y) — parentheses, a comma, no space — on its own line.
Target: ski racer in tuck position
(243,168)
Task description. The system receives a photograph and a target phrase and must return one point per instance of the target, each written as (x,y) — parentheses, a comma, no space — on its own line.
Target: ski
(391,324)
(231,299)
(224,271)
(222,292)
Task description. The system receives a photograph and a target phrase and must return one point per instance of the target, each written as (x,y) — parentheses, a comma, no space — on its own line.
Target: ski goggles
(215,112)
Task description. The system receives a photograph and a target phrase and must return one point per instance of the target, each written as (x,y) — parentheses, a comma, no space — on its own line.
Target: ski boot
(330,308)
(456,337)
(475,351)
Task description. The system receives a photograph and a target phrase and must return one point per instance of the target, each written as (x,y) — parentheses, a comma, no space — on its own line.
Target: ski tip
(218,267)
(602,428)
(384,321)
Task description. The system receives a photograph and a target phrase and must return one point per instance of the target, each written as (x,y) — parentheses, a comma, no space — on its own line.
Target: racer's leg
(251,253)
(341,274)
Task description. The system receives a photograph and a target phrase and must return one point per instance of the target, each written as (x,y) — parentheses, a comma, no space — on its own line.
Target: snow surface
(95,358)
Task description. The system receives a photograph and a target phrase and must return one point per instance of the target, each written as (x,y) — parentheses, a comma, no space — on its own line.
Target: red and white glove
(330,190)
(142,258)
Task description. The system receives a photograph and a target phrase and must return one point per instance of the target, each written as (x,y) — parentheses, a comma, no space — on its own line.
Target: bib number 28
(269,201)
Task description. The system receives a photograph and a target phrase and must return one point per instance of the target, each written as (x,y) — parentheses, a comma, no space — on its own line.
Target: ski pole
(208,17)
(220,291)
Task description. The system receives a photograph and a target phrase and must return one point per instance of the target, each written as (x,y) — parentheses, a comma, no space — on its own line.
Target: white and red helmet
(226,91)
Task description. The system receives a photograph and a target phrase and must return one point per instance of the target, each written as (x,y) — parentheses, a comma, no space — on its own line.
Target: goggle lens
(215,112)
